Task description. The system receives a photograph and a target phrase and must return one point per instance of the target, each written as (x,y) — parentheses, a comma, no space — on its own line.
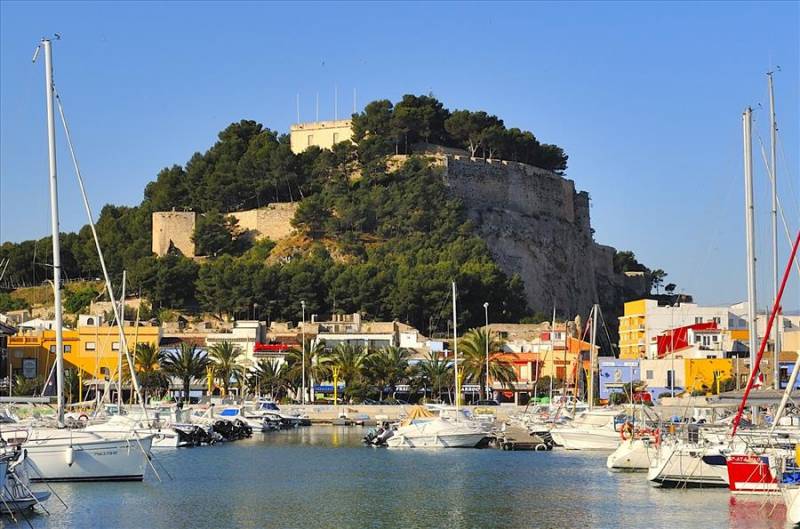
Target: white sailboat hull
(791,497)
(633,455)
(93,458)
(678,466)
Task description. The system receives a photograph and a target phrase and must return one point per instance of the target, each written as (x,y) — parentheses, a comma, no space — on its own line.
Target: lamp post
(303,339)
(486,337)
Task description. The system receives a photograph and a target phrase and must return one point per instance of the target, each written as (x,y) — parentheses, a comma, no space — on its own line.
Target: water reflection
(324,477)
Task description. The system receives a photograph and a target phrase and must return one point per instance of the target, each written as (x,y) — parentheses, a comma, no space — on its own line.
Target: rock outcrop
(537,225)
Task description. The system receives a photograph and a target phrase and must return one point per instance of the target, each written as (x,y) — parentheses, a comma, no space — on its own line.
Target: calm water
(323,477)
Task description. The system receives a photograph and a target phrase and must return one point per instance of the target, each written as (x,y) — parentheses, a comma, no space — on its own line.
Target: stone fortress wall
(176,228)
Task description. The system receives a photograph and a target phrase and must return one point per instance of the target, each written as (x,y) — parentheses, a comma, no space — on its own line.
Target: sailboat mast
(121,324)
(591,356)
(455,350)
(747,119)
(51,150)
(774,218)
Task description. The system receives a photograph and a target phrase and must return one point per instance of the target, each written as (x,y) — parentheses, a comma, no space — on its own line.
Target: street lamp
(303,334)
(486,313)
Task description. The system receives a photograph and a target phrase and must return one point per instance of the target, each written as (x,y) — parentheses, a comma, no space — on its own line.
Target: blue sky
(645,98)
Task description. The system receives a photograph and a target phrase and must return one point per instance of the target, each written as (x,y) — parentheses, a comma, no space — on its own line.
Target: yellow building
(632,335)
(92,349)
(323,134)
(33,353)
(705,372)
(98,351)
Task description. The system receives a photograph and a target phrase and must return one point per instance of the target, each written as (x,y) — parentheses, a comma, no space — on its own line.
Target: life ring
(83,417)
(627,428)
(541,447)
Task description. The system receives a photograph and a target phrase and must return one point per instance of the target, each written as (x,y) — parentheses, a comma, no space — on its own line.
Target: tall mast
(455,350)
(51,150)
(553,354)
(750,236)
(774,217)
(121,323)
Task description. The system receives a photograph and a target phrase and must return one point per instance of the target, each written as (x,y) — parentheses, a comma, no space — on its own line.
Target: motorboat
(262,422)
(450,429)
(267,408)
(591,430)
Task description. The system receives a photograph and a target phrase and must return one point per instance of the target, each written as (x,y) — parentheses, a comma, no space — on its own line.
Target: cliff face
(537,226)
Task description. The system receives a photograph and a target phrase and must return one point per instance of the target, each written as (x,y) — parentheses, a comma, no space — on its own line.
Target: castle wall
(323,134)
(173,228)
(273,221)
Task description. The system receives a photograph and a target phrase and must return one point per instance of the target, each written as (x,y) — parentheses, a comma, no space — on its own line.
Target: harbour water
(323,477)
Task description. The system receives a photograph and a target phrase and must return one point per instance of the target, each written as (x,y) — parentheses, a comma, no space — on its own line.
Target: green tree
(269,376)
(350,360)
(472,348)
(217,234)
(387,367)
(657,279)
(226,363)
(186,363)
(8,303)
(79,298)
(152,378)
(317,367)
(436,374)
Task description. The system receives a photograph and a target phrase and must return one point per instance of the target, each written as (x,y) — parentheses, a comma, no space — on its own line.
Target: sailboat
(447,430)
(60,454)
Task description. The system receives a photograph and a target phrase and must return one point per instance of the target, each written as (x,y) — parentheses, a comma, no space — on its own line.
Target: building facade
(322,134)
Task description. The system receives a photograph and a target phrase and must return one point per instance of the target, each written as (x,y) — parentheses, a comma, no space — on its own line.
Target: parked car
(487,402)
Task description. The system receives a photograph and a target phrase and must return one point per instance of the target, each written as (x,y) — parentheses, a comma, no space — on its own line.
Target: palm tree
(225,363)
(317,366)
(436,373)
(472,349)
(186,363)
(148,360)
(269,374)
(388,367)
(351,362)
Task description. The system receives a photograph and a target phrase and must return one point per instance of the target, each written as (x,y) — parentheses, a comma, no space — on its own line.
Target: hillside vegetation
(387,243)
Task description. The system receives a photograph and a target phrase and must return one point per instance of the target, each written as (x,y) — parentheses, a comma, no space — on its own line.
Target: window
(717,320)
(89,321)
(52,348)
(310,140)
(115,346)
(90,346)
(335,138)
(105,371)
(67,348)
(696,338)
(649,374)
(698,319)
(670,376)
(715,338)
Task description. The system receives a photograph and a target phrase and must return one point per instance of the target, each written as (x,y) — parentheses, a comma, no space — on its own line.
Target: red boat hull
(750,474)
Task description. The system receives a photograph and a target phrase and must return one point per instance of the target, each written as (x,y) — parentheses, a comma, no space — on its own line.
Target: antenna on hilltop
(317,107)
(335,102)
(298,107)
(354,100)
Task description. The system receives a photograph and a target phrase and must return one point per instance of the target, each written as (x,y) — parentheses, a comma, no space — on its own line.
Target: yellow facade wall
(632,336)
(706,371)
(39,346)
(98,351)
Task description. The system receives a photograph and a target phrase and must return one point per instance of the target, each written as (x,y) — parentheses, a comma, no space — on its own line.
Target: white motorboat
(452,428)
(437,433)
(257,421)
(590,430)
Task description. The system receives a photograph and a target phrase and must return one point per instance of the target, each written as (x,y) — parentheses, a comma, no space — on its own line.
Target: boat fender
(69,456)
(657,437)
(626,432)
(83,417)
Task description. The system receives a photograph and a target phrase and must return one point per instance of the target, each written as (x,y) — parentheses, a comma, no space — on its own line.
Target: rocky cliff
(537,225)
